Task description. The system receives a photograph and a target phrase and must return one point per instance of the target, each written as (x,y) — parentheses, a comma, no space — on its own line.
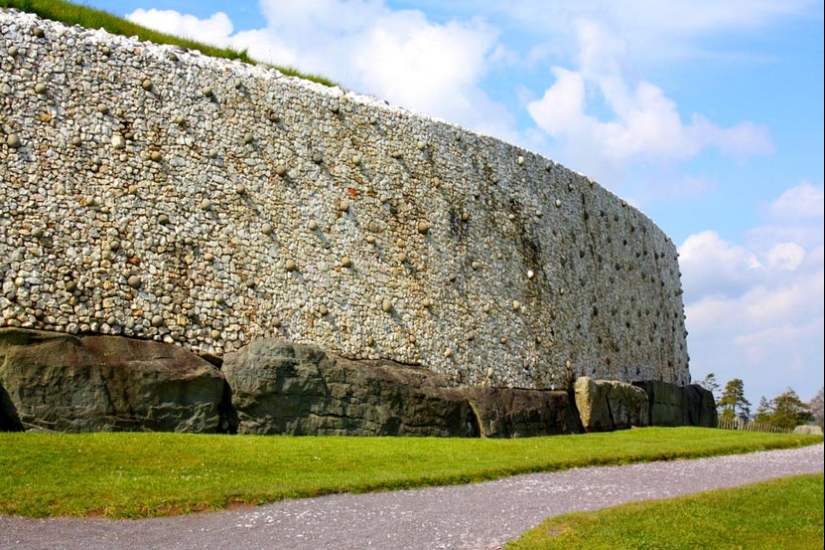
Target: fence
(744,425)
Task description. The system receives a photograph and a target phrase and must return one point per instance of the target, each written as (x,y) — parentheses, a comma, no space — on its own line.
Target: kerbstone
(512,412)
(667,407)
(606,405)
(629,406)
(700,407)
(593,405)
(59,382)
(283,388)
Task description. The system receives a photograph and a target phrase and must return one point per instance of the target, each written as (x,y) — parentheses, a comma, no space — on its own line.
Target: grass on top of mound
(781,514)
(74,14)
(132,475)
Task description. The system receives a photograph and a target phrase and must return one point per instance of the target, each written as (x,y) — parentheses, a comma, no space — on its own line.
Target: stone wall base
(64,383)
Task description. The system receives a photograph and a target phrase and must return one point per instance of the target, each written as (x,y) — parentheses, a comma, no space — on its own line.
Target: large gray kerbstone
(506,412)
(283,388)
(672,405)
(606,405)
(629,405)
(65,383)
(591,401)
(667,407)
(700,407)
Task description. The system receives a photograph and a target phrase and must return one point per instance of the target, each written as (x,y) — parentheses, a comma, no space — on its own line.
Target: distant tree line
(786,410)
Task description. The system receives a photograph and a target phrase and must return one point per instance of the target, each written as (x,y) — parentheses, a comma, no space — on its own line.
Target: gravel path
(482,516)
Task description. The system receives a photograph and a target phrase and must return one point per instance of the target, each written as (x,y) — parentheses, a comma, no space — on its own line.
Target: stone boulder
(629,406)
(591,401)
(699,407)
(672,405)
(808,430)
(606,405)
(65,383)
(667,407)
(506,412)
(283,388)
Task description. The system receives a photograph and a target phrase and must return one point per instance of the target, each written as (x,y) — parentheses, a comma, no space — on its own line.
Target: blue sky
(706,115)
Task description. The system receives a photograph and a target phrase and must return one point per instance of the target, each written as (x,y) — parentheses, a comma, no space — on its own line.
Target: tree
(816,406)
(784,411)
(763,411)
(710,384)
(733,403)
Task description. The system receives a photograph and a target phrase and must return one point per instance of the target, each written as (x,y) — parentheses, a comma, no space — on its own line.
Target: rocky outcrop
(283,388)
(59,382)
(606,405)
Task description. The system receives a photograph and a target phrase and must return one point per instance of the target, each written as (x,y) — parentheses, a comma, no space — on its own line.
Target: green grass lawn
(130,475)
(782,514)
(75,14)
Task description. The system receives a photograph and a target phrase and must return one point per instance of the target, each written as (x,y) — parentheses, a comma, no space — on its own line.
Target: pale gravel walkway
(482,516)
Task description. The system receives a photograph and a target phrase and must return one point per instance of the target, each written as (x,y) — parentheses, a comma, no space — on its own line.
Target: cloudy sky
(707,115)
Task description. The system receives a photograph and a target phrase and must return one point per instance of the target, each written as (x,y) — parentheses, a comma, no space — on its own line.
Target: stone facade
(155,193)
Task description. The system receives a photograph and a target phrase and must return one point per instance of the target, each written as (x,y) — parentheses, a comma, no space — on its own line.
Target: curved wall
(156,193)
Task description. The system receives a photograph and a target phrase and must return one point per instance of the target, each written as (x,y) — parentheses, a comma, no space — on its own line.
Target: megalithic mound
(155,193)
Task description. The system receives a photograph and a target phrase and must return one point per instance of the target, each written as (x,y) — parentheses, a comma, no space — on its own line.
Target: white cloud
(397,55)
(654,31)
(802,201)
(786,256)
(214,30)
(765,296)
(561,110)
(640,123)
(795,217)
(711,266)
(435,69)
(268,47)
(600,116)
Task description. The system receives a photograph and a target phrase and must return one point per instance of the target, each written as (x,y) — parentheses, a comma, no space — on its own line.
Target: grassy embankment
(782,514)
(74,14)
(130,475)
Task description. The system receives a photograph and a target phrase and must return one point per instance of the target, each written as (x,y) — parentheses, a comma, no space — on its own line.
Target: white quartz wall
(156,193)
